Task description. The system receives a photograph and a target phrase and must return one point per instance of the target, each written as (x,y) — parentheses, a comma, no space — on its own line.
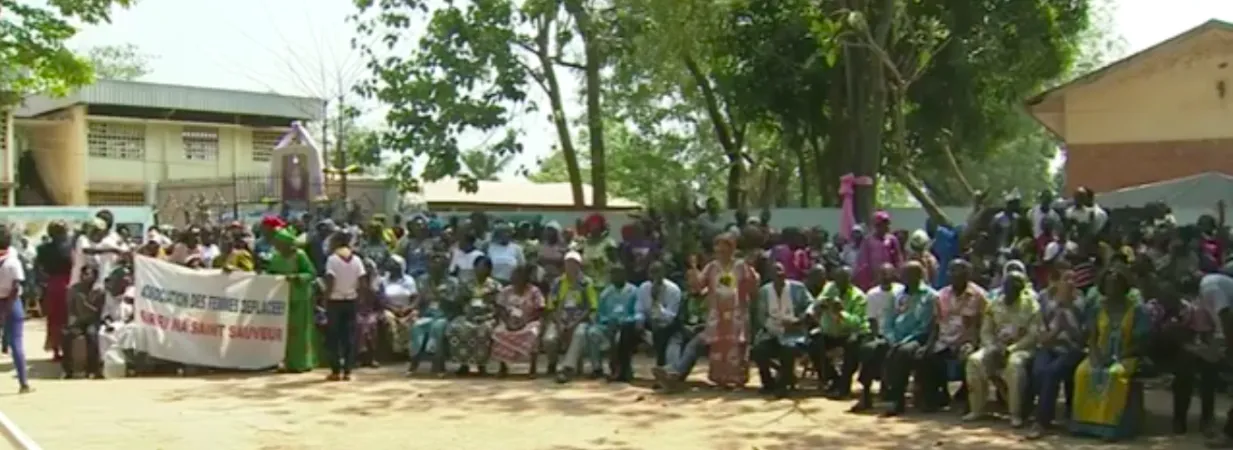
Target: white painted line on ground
(15,436)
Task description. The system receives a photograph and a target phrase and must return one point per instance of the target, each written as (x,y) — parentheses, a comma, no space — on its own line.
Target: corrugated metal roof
(188,98)
(1197,191)
(513,193)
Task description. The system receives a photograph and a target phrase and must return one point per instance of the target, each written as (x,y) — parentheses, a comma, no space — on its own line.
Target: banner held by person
(209,318)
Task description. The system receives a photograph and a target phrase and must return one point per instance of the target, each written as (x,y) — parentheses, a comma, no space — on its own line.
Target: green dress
(301,324)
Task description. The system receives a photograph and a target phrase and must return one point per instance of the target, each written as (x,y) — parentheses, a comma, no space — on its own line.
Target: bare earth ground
(384,410)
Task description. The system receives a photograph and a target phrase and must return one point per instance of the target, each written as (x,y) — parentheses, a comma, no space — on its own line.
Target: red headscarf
(594,222)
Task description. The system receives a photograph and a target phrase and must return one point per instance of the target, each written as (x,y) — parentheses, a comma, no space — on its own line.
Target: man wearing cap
(571,302)
(879,247)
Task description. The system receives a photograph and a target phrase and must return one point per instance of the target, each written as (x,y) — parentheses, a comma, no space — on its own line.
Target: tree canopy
(118,62)
(33,52)
(759,102)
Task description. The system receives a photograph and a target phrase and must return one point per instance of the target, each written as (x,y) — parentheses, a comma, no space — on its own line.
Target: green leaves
(33,55)
(465,76)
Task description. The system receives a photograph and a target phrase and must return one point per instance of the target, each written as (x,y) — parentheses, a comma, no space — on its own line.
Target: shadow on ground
(738,419)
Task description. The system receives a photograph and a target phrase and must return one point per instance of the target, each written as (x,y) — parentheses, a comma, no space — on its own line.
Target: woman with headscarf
(292,263)
(598,250)
(399,293)
(551,255)
(438,302)
(918,250)
(504,253)
(415,246)
(516,336)
(234,255)
(470,334)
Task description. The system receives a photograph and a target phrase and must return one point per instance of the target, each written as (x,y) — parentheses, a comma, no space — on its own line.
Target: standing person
(12,275)
(54,260)
(344,278)
(1215,299)
(879,247)
(298,270)
(729,285)
(504,254)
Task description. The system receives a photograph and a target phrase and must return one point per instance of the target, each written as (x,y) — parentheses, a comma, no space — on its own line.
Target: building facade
(1161,114)
(115,142)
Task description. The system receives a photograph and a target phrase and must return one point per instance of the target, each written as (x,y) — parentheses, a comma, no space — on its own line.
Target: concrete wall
(165,157)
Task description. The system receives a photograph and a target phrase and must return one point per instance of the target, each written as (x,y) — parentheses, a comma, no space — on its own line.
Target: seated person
(1008,334)
(1180,343)
(960,307)
(780,318)
(1104,390)
(907,325)
(659,301)
(85,316)
(839,311)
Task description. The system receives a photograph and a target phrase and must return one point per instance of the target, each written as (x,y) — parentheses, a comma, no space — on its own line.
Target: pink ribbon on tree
(847,189)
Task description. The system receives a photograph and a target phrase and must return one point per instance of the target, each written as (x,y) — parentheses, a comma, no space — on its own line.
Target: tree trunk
(559,119)
(595,117)
(725,132)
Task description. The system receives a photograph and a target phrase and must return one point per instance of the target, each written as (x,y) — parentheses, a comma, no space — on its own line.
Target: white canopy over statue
(297,168)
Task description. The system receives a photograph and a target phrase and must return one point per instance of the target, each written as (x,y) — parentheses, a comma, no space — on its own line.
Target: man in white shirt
(12,275)
(1043,215)
(881,296)
(1085,211)
(99,245)
(344,277)
(658,302)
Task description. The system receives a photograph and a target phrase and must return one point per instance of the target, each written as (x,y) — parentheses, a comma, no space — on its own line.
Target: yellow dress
(1105,401)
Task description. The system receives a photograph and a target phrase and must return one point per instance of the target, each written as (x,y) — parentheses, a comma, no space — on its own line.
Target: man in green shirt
(839,312)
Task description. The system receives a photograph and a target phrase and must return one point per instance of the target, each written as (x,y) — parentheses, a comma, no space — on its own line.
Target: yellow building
(114,142)
(1161,114)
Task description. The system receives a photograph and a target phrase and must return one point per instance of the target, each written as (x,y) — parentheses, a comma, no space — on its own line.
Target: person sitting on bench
(85,315)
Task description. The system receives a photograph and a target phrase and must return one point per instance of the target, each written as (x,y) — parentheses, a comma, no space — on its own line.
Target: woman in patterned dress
(728,284)
(516,336)
(470,334)
(438,302)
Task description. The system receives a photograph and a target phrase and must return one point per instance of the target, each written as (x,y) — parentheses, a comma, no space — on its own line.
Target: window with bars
(200,144)
(264,142)
(116,140)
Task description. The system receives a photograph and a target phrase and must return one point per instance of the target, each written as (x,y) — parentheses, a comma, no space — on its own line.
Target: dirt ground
(384,410)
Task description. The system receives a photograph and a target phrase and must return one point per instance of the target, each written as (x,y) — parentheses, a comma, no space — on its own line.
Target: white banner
(208,318)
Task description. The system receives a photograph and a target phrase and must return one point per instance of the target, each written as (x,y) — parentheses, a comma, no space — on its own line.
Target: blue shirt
(909,318)
(617,305)
(945,249)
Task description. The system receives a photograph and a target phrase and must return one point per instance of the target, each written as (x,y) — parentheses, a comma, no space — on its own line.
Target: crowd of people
(1030,300)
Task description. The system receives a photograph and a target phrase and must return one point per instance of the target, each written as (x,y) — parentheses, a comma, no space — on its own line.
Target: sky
(303,47)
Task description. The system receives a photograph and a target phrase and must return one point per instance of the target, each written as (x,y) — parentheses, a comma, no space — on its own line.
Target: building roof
(1048,107)
(512,193)
(1162,48)
(173,97)
(1202,190)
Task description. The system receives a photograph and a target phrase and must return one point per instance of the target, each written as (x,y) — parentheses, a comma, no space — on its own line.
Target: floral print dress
(729,296)
(470,334)
(516,337)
